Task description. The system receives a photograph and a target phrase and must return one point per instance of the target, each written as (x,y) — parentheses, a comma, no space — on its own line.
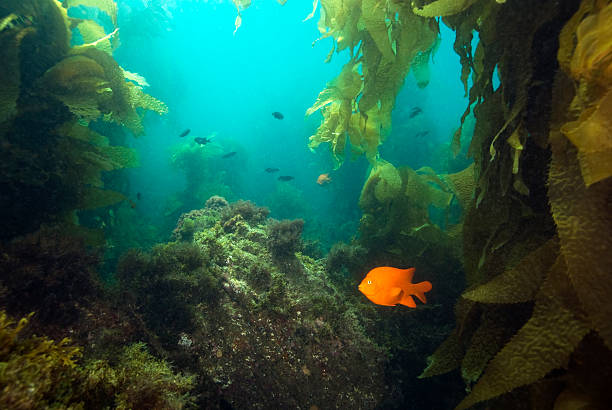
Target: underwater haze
(281,204)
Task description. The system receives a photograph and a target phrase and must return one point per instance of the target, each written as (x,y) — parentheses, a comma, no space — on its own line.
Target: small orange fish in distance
(389,286)
(323,179)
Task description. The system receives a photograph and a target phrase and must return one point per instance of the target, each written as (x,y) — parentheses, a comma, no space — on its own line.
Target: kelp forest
(225,300)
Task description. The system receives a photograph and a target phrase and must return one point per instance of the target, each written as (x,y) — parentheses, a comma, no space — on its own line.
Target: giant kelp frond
(513,257)
(591,66)
(520,283)
(384,38)
(440,8)
(580,184)
(543,344)
(50,87)
(450,353)
(336,104)
(495,327)
(92,85)
(81,84)
(462,184)
(92,31)
(94,35)
(107,6)
(11,36)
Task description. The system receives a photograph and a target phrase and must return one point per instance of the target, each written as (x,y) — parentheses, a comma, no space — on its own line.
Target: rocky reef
(234,301)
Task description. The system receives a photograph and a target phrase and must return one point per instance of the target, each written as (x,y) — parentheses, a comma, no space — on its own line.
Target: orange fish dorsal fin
(409,274)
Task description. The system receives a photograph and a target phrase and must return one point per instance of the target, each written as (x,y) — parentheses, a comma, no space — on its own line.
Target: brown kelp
(386,40)
(536,241)
(51,160)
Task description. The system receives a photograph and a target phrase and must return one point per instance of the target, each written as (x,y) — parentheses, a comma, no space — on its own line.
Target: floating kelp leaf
(494,330)
(11,35)
(419,190)
(90,153)
(592,135)
(80,83)
(582,215)
(107,6)
(517,148)
(344,87)
(543,344)
(592,58)
(335,103)
(446,358)
(449,354)
(462,184)
(237,23)
(387,181)
(428,174)
(369,130)
(121,97)
(567,37)
(119,157)
(443,8)
(333,129)
(579,185)
(520,283)
(94,34)
(315,4)
(81,132)
(325,97)
(136,78)
(98,198)
(373,15)
(140,99)
(339,19)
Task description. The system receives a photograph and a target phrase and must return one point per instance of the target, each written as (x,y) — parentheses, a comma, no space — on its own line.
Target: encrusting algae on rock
(231,306)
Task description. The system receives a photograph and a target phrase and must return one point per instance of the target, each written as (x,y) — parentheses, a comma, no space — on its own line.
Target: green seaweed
(38,372)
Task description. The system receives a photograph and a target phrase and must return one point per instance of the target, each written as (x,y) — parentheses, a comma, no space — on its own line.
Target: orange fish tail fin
(420,289)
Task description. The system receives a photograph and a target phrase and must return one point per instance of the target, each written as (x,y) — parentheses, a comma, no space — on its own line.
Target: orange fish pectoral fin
(407,301)
(420,289)
(395,293)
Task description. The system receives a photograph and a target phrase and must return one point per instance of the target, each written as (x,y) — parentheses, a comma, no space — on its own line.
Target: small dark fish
(138,196)
(184,133)
(229,154)
(285,178)
(202,140)
(272,170)
(278,115)
(414,112)
(421,134)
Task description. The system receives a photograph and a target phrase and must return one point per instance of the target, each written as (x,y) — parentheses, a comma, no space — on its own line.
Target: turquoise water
(219,83)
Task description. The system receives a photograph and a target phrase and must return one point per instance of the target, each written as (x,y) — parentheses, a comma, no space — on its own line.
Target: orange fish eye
(369,282)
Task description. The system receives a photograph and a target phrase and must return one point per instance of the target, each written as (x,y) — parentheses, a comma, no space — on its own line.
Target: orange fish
(323,179)
(389,286)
